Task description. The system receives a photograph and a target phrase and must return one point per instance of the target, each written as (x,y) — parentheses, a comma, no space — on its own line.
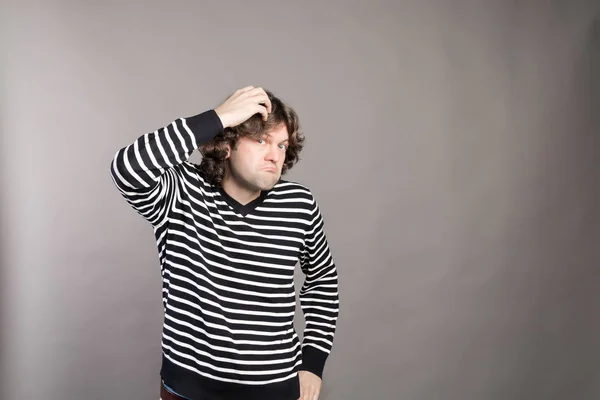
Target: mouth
(270,169)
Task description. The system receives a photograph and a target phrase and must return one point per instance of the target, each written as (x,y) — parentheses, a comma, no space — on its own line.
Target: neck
(239,193)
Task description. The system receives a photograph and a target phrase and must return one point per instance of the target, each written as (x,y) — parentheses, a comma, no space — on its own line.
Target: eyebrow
(283,141)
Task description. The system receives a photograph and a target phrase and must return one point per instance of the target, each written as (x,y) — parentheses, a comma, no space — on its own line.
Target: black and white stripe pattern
(228,289)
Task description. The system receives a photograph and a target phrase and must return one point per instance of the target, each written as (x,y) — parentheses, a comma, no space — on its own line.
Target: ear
(228,150)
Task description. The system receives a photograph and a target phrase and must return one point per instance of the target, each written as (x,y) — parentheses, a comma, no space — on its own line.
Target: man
(229,233)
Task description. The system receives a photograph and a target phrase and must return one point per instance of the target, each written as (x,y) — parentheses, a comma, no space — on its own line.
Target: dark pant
(166,395)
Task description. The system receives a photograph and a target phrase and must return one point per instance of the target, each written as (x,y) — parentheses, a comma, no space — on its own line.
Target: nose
(273,154)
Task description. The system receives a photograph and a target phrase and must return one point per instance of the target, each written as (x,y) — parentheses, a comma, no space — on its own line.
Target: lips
(270,169)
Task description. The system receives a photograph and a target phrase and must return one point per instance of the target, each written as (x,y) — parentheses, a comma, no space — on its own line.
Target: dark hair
(212,167)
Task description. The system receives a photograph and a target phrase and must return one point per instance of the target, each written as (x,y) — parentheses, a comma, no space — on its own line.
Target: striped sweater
(228,271)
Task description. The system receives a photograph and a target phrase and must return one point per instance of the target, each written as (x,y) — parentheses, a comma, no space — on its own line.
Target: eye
(260,140)
(284,147)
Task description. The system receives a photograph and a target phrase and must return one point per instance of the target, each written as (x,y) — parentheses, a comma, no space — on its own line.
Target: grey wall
(453,146)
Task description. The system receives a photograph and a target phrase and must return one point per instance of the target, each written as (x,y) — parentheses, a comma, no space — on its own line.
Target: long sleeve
(144,170)
(319,298)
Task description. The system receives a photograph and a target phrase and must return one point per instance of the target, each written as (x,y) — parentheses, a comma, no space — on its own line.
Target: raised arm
(144,171)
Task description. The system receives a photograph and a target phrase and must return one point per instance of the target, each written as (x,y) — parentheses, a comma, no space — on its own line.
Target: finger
(251,94)
(243,92)
(259,91)
(245,89)
(267,100)
(264,95)
(262,98)
(255,91)
(314,394)
(302,392)
(262,109)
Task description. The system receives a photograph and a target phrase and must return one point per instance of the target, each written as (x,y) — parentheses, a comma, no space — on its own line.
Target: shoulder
(295,195)
(292,189)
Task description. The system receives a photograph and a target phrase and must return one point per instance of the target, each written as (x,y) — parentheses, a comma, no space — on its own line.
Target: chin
(264,183)
(269,186)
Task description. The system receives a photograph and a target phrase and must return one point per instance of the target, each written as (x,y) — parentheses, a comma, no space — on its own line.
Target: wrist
(221,117)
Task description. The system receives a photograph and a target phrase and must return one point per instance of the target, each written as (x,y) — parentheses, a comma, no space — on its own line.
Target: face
(255,164)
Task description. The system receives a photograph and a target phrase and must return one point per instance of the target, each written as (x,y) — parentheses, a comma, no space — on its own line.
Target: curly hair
(212,167)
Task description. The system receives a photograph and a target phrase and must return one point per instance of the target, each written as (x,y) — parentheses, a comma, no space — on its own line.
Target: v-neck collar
(243,208)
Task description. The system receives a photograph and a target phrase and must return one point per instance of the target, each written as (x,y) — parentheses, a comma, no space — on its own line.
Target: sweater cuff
(205,126)
(313,360)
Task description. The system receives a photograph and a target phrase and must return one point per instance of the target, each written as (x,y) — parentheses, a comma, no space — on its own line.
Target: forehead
(279,133)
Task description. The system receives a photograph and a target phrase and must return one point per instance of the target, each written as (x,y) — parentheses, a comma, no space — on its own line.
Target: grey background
(453,147)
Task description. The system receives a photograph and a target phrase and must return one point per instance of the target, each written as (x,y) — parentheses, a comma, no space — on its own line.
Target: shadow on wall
(3,246)
(572,281)
(3,252)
